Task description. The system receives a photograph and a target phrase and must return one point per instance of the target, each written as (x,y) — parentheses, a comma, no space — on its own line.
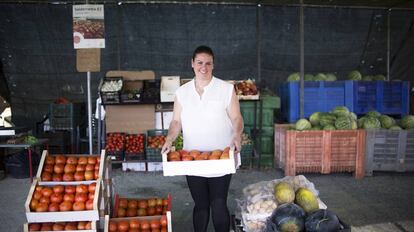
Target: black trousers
(210,193)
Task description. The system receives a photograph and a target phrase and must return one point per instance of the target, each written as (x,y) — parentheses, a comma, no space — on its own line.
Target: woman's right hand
(166,147)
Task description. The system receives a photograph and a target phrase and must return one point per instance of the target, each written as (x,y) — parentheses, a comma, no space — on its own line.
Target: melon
(367,78)
(373,113)
(307,200)
(343,123)
(329,127)
(340,111)
(386,121)
(330,77)
(314,118)
(371,123)
(309,77)
(284,193)
(319,77)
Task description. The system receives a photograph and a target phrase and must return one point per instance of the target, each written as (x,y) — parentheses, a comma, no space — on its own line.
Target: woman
(207,111)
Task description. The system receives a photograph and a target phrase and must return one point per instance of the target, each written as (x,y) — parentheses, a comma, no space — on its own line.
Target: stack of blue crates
(386,97)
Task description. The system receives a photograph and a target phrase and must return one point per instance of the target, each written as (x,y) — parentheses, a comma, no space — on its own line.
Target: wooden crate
(64,216)
(93,229)
(117,198)
(45,153)
(200,167)
(320,151)
(149,218)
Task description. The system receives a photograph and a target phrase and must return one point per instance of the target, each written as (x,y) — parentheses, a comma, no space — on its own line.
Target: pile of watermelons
(299,211)
(354,75)
(340,118)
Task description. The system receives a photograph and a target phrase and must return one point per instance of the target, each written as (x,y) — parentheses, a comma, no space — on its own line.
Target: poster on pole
(88,26)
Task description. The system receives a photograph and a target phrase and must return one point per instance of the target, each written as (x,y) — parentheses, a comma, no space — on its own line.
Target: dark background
(250,41)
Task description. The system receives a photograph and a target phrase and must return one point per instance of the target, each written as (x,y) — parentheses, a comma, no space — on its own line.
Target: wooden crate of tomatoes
(130,207)
(155,141)
(135,147)
(84,226)
(115,143)
(151,223)
(63,202)
(59,168)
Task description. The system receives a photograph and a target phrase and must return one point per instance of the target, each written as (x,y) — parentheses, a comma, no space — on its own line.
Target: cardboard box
(164,122)
(199,167)
(131,119)
(154,166)
(94,227)
(169,84)
(147,218)
(134,166)
(132,75)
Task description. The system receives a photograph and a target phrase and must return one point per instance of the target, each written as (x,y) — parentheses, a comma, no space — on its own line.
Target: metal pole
(89,113)
(388,43)
(302,59)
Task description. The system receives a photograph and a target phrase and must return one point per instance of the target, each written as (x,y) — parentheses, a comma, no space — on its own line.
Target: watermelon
(322,220)
(309,77)
(314,118)
(330,77)
(286,217)
(294,77)
(303,124)
(360,122)
(367,78)
(386,121)
(320,77)
(373,113)
(343,123)
(354,125)
(317,127)
(371,123)
(354,75)
(327,119)
(395,127)
(353,116)
(340,111)
(329,127)
(379,77)
(407,122)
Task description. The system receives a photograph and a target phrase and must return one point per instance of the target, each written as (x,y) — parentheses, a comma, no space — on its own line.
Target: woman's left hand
(236,142)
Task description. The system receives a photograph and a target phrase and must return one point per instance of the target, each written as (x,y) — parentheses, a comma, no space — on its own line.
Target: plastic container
(154,154)
(386,97)
(246,154)
(389,150)
(318,96)
(110,97)
(321,151)
(249,117)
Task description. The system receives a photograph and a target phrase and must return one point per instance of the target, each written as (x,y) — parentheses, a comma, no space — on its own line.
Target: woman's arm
(175,127)
(236,121)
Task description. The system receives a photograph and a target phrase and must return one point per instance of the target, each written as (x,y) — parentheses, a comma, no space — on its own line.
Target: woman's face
(203,65)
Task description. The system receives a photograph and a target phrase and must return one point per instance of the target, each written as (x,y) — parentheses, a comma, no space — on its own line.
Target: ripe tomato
(65,206)
(72,160)
(123,226)
(113,226)
(70,189)
(60,159)
(81,188)
(58,189)
(79,206)
(53,207)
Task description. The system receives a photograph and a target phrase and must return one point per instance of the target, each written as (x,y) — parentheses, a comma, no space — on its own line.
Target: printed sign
(88,26)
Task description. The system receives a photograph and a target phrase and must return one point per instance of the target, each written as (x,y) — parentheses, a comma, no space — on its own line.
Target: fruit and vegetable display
(135,143)
(115,142)
(261,199)
(183,155)
(156,141)
(340,118)
(354,75)
(70,168)
(179,142)
(60,226)
(141,207)
(63,198)
(134,224)
(246,88)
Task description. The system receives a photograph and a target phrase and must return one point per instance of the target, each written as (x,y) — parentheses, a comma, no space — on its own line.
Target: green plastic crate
(267,131)
(154,154)
(249,117)
(266,161)
(246,154)
(266,144)
(270,102)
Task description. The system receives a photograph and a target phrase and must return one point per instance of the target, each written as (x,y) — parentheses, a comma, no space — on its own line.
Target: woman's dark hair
(203,49)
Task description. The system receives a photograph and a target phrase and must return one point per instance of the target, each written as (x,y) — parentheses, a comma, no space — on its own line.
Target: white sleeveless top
(205,123)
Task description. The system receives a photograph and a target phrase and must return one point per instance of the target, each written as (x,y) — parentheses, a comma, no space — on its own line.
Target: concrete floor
(385,198)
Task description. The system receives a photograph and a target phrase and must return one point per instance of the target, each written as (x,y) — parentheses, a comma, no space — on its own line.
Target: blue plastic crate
(386,97)
(318,96)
